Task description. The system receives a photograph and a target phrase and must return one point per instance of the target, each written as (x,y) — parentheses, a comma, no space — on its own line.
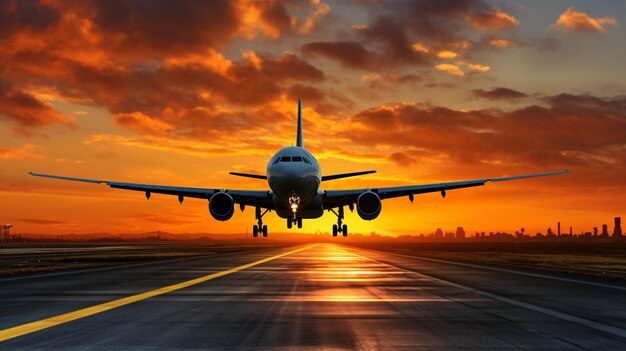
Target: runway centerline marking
(609,329)
(32,327)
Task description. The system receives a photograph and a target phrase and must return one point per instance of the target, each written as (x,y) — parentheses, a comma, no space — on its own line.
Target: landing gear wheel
(259,227)
(289,223)
(339,227)
(299,223)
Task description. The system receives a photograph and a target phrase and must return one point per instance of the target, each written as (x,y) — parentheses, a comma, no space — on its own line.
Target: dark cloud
(154,28)
(388,40)
(573,131)
(310,94)
(290,67)
(390,33)
(494,20)
(25,15)
(499,94)
(41,221)
(25,110)
(349,53)
(403,159)
(275,14)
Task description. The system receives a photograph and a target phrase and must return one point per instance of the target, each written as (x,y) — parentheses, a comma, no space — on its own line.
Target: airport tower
(617,230)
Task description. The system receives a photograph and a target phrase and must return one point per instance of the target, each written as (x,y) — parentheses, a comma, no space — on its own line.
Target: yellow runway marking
(85,312)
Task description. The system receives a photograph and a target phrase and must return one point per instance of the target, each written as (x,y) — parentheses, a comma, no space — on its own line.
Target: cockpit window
(292,159)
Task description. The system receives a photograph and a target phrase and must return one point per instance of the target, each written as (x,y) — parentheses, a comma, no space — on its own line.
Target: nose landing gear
(291,221)
(339,228)
(294,203)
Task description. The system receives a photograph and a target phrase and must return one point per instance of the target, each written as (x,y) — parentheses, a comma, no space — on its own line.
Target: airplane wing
(336,198)
(345,175)
(261,198)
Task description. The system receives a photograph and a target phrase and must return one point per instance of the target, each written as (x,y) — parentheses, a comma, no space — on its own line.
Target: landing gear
(339,228)
(260,227)
(291,221)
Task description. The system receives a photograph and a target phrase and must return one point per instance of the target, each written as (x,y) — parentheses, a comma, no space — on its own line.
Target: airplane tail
(299,136)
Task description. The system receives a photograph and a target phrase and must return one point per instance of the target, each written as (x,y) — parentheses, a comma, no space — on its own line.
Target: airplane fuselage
(294,175)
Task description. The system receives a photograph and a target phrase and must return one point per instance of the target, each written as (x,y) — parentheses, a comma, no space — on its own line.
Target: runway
(317,296)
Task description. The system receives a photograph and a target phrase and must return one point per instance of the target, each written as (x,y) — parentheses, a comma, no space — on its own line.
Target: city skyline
(463,90)
(438,235)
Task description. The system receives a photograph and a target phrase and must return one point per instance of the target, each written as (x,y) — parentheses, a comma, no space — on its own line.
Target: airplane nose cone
(281,170)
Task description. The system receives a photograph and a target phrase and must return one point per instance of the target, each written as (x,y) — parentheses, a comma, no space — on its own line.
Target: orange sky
(181,93)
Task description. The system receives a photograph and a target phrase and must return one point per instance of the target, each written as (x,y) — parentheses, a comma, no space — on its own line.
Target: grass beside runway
(38,258)
(51,264)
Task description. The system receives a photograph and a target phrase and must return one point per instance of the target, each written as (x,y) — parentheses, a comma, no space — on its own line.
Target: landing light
(294,201)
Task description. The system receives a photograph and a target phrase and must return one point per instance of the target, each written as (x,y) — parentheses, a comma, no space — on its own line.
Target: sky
(182,92)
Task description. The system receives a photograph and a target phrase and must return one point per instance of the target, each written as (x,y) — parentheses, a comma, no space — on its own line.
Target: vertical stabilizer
(299,136)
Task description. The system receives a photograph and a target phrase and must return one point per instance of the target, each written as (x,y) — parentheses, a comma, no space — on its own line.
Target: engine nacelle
(368,205)
(221,206)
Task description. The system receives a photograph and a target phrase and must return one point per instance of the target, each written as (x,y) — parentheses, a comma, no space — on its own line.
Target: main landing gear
(339,228)
(260,227)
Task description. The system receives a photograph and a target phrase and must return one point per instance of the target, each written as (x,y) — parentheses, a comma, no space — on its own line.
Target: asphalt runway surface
(319,296)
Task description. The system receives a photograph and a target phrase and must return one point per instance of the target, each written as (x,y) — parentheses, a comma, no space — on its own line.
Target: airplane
(294,177)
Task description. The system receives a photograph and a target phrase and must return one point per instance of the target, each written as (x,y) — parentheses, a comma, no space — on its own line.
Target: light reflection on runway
(334,274)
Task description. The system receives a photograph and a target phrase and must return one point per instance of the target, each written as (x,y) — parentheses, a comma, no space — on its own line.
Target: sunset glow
(422,94)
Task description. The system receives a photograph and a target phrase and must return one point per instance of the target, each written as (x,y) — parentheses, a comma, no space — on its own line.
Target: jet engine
(368,205)
(221,206)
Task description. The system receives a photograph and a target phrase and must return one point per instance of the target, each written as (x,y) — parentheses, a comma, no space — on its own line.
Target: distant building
(605,230)
(617,230)
(438,234)
(460,233)
(558,228)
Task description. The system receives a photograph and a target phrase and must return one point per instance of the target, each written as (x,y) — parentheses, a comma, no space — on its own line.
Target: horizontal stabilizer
(345,175)
(248,175)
